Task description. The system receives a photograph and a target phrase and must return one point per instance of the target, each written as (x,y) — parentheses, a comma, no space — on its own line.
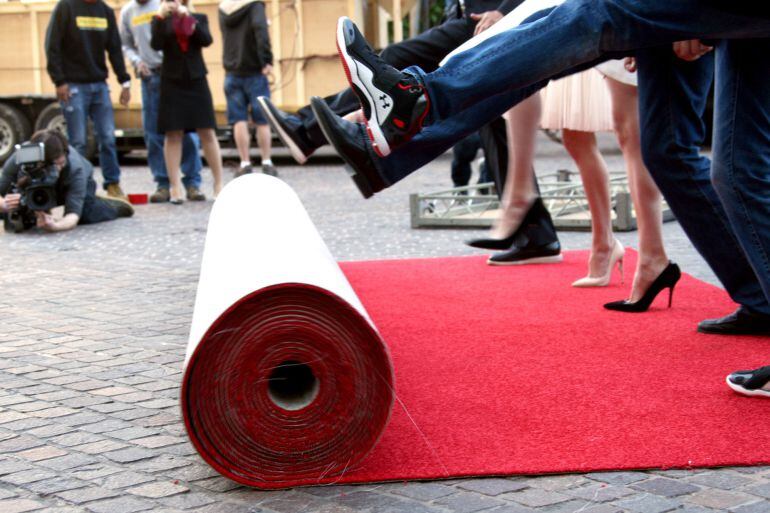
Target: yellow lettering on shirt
(142,19)
(91,23)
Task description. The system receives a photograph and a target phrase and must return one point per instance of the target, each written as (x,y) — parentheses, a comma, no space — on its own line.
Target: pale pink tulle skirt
(578,102)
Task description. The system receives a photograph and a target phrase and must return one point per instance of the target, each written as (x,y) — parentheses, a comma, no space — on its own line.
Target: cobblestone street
(93,330)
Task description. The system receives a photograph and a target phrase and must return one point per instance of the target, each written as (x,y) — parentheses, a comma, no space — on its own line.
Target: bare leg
(265,141)
(213,156)
(644,192)
(522,122)
(584,151)
(242,138)
(172,153)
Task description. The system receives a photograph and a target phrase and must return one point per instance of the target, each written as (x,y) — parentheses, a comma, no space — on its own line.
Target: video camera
(36,183)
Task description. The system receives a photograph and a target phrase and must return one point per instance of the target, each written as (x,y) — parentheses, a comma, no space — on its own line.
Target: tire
(51,118)
(14,129)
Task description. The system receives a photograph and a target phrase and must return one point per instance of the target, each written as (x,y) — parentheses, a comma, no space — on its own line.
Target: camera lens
(39,198)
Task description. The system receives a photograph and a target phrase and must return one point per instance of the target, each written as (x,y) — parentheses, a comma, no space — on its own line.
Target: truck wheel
(14,129)
(51,118)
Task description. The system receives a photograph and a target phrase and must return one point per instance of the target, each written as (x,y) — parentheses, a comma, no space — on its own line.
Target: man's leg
(152,139)
(578,32)
(104,125)
(672,100)
(258,86)
(575,36)
(237,116)
(425,50)
(741,159)
(76,115)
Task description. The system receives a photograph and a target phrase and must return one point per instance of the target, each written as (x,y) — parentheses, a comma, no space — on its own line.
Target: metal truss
(562,193)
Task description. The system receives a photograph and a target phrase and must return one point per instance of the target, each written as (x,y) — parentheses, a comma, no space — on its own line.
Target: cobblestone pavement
(93,327)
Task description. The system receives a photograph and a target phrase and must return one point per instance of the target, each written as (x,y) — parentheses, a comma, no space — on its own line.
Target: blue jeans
(723,205)
(93,101)
(476,86)
(242,92)
(191,160)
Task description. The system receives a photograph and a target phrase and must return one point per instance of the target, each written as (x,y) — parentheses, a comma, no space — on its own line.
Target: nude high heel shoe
(616,257)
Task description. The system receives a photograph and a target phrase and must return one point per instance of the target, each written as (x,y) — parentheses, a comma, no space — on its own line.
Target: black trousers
(426,51)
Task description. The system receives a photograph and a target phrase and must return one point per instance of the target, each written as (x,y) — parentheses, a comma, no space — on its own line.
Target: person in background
(75,189)
(185,97)
(79,33)
(135,19)
(248,61)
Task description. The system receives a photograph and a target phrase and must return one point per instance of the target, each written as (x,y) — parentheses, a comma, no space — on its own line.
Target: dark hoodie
(246,42)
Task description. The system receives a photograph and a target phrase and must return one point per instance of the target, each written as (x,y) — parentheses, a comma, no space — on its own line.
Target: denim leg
(741,158)
(672,101)
(191,161)
(101,113)
(433,140)
(152,139)
(76,115)
(579,31)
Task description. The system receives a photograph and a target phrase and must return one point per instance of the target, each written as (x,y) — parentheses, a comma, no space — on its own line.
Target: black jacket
(78,34)
(177,64)
(245,39)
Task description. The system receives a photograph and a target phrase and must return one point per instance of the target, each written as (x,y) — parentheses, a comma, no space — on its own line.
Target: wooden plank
(398,19)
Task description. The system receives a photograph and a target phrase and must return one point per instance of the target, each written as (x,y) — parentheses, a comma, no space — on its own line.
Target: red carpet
(509,370)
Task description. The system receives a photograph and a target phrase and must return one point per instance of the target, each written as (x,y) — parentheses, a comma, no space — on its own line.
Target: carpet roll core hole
(292,385)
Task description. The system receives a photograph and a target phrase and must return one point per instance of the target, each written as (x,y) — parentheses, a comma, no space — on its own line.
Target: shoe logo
(384,99)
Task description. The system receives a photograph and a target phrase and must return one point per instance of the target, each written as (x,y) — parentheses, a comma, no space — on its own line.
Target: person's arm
(127,38)
(54,41)
(47,222)
(114,49)
(260,27)
(116,56)
(201,35)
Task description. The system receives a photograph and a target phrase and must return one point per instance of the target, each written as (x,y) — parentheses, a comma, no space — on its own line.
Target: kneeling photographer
(44,173)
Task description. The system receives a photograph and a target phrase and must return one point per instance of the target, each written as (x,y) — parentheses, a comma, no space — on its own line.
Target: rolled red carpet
(287,381)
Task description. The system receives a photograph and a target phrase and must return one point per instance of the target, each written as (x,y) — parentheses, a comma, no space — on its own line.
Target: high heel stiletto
(534,209)
(665,280)
(616,257)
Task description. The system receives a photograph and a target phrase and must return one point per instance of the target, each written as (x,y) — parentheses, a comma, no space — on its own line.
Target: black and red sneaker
(395,104)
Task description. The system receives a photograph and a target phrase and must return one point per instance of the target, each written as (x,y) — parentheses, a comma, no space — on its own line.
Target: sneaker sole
(360,80)
(744,391)
(553,259)
(296,153)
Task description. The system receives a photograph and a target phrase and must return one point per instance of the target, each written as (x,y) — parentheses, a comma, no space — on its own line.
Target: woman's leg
(520,192)
(644,193)
(584,151)
(172,153)
(210,146)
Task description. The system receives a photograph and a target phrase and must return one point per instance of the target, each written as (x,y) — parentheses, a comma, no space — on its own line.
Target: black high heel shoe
(507,242)
(665,280)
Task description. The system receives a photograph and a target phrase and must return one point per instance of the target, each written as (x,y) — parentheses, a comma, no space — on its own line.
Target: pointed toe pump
(665,280)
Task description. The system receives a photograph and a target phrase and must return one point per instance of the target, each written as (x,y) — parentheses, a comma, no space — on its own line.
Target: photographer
(66,179)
